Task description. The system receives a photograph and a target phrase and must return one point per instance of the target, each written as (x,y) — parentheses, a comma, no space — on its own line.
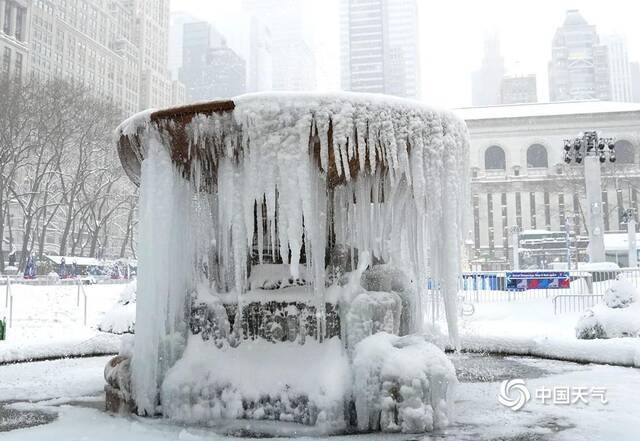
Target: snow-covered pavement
(48,321)
(479,415)
(530,327)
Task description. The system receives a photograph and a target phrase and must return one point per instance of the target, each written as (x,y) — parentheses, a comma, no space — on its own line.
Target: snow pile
(618,316)
(402,384)
(259,380)
(620,294)
(78,346)
(122,317)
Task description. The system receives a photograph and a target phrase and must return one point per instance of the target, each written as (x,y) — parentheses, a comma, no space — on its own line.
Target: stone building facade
(519,178)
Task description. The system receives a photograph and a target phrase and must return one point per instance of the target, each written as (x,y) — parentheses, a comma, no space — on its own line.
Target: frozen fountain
(285,245)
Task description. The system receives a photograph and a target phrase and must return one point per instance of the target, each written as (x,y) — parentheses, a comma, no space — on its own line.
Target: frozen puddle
(13,419)
(481,368)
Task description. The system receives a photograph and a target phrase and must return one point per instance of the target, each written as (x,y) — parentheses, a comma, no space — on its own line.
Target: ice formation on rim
(384,177)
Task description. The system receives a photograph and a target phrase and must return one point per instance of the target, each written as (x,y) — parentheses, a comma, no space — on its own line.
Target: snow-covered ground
(530,327)
(49,321)
(72,390)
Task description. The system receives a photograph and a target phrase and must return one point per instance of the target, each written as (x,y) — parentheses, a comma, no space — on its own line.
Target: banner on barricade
(522,281)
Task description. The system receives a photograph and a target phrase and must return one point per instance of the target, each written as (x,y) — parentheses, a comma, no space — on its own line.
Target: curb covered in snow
(616,351)
(19,352)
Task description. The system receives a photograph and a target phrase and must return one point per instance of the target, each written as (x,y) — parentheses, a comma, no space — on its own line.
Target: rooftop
(545,109)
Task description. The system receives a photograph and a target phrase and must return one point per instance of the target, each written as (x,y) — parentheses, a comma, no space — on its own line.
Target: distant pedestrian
(30,268)
(12,257)
(62,271)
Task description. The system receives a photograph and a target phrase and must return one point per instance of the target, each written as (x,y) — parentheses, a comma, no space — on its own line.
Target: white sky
(452,33)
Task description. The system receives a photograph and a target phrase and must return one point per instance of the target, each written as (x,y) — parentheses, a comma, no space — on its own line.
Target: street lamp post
(593,149)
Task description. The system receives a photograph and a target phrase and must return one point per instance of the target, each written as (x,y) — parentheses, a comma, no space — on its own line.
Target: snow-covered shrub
(121,318)
(402,384)
(604,322)
(620,294)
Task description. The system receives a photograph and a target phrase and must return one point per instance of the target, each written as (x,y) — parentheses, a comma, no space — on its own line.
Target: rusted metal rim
(131,151)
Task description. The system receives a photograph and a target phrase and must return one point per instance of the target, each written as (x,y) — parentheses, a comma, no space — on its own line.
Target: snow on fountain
(361,197)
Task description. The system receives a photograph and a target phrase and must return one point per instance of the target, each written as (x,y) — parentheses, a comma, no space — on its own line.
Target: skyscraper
(177,20)
(210,69)
(260,66)
(293,59)
(14,23)
(519,89)
(486,82)
(579,67)
(117,49)
(379,47)
(619,68)
(635,81)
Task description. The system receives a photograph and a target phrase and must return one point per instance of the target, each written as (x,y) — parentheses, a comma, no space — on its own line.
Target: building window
(7,18)
(547,211)
(19,34)
(605,210)
(625,152)
(561,209)
(494,158)
(537,156)
(490,221)
(6,61)
(476,221)
(532,210)
(18,66)
(505,223)
(620,208)
(519,210)
(576,214)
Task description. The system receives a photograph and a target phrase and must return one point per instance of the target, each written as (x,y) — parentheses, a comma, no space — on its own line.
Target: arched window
(494,158)
(625,152)
(537,156)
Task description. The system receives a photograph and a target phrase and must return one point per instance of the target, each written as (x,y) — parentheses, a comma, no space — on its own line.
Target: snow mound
(122,317)
(402,384)
(618,316)
(259,380)
(604,322)
(620,294)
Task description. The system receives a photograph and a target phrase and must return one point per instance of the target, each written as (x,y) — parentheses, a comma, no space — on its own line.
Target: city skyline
(441,26)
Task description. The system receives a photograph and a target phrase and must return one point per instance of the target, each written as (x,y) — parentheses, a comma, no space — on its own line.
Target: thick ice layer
(402,384)
(259,380)
(165,274)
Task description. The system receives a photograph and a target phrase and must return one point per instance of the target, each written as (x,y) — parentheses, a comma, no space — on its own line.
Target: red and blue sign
(522,281)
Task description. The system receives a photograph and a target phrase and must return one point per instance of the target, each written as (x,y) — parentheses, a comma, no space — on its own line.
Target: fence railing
(564,303)
(9,300)
(45,280)
(586,288)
